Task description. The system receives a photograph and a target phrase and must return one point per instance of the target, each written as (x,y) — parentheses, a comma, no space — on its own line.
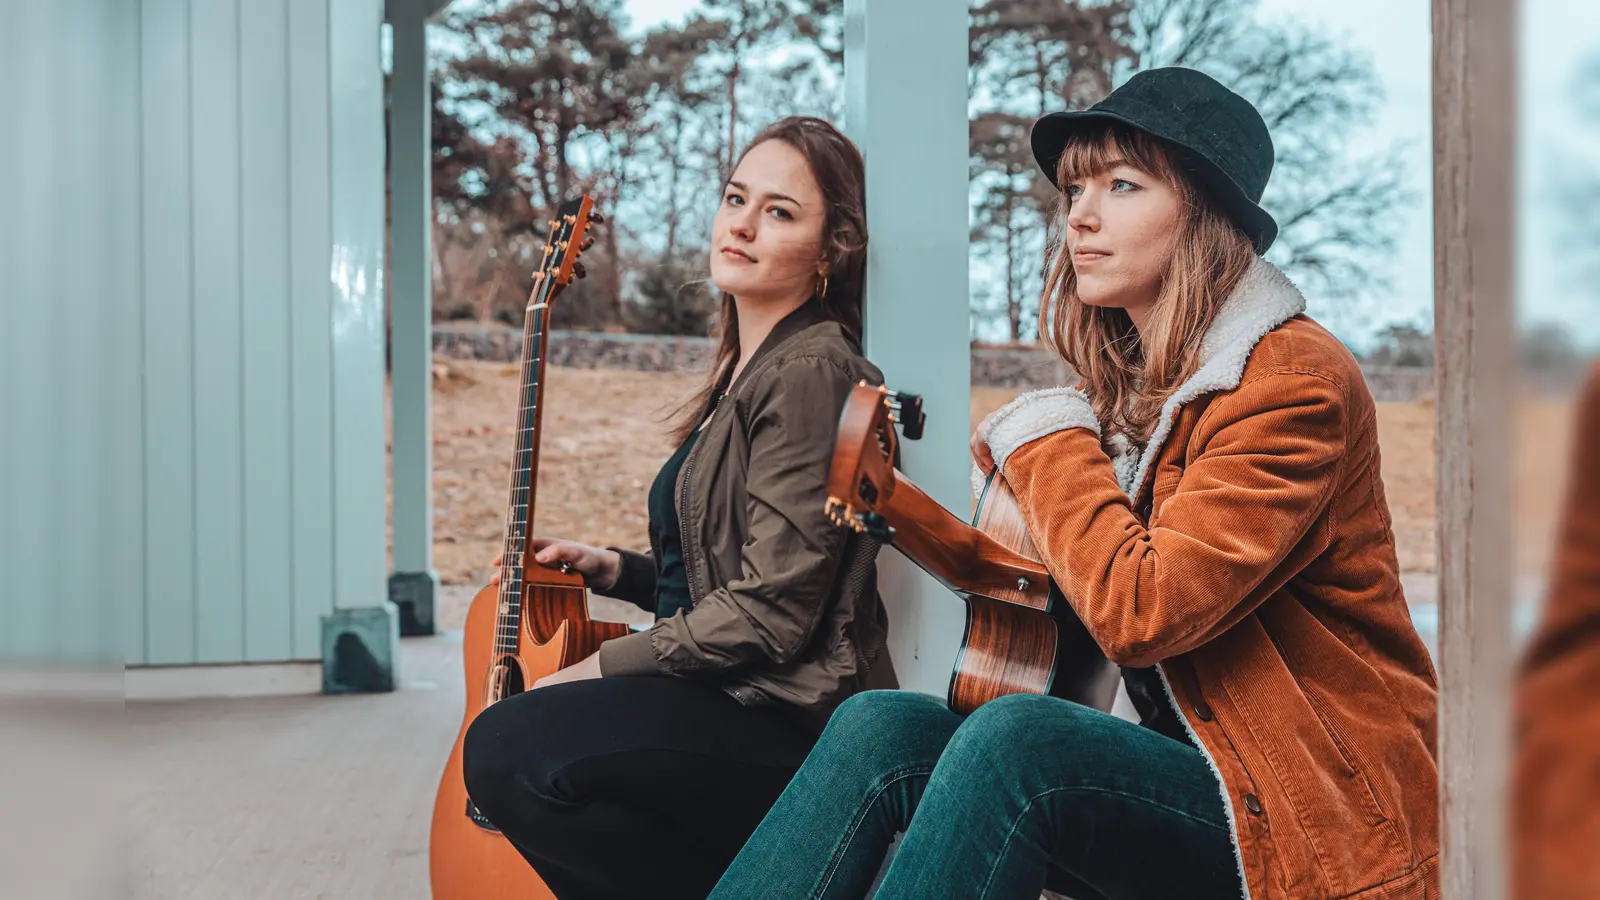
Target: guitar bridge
(478,818)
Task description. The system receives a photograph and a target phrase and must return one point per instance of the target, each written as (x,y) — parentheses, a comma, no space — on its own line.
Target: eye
(781,213)
(1118,184)
(1073,190)
(733,199)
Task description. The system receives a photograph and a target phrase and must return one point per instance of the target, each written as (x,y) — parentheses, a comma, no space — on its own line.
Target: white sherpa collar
(1264,299)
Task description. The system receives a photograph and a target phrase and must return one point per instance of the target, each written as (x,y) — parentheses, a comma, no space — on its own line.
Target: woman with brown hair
(640,771)
(1209,502)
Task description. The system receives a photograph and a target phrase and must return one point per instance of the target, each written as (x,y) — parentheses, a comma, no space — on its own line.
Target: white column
(906,106)
(359,638)
(413,585)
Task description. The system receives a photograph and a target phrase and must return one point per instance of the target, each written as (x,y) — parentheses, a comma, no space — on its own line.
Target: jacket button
(1252,803)
(1202,711)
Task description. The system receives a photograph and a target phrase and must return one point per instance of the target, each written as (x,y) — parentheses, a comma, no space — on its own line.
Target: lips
(737,254)
(1089,255)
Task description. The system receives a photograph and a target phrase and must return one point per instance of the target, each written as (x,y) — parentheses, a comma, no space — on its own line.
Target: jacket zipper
(683,504)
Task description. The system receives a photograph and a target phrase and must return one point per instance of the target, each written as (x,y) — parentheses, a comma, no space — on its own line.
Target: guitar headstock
(568,238)
(862,476)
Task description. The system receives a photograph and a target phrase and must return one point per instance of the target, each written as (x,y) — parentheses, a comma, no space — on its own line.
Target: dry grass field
(605,438)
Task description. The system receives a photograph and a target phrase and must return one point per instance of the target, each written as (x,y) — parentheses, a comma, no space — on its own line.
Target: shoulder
(1301,346)
(1302,355)
(1299,366)
(822,352)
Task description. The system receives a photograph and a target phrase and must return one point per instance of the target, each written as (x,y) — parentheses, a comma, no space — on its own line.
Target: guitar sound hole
(511,683)
(868,492)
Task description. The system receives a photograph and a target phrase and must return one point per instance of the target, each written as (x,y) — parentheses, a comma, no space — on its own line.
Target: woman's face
(766,239)
(1122,227)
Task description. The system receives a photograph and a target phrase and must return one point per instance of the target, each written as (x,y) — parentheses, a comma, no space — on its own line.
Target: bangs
(1103,146)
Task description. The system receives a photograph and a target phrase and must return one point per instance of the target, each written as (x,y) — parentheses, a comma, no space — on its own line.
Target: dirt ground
(605,438)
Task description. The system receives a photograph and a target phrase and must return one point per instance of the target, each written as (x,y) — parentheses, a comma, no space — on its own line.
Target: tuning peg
(875,526)
(587,243)
(597,217)
(907,410)
(579,270)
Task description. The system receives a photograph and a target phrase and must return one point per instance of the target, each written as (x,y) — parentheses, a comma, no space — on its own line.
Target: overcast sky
(1555,36)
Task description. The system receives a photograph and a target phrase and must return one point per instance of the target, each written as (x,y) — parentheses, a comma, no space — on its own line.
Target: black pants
(627,788)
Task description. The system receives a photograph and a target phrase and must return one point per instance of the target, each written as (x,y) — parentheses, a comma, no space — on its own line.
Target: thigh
(654,741)
(1034,785)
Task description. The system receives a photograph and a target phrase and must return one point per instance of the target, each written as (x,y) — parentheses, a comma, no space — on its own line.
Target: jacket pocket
(1373,807)
(1345,831)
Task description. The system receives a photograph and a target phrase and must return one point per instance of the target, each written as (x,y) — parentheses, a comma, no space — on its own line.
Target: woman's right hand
(598,566)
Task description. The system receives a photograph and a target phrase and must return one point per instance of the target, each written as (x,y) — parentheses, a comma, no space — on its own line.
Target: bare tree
(1334,209)
(1026,58)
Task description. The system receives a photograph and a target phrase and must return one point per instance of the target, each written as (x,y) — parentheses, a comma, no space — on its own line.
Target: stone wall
(1006,367)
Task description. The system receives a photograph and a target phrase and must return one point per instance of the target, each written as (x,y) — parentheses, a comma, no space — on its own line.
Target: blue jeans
(1025,794)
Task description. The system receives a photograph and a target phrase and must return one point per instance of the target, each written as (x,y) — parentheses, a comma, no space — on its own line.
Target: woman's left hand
(584,669)
(980,445)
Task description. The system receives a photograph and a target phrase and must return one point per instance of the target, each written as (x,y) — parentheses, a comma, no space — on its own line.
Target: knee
(879,731)
(489,762)
(1016,722)
(882,715)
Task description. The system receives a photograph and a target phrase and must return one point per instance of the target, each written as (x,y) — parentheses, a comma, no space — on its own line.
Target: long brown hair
(837,166)
(1127,373)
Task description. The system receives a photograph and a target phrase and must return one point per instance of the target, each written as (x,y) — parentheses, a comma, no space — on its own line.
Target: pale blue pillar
(906,105)
(413,584)
(360,637)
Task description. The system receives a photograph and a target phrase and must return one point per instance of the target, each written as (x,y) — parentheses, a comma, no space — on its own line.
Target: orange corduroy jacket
(1556,807)
(1246,552)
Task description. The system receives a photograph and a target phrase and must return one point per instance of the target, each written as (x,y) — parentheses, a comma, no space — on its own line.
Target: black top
(672,579)
(1155,708)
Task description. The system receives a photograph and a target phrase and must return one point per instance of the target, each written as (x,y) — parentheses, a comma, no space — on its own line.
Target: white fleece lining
(1034,415)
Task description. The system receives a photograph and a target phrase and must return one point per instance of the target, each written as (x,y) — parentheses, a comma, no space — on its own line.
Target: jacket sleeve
(1269,459)
(791,554)
(636,579)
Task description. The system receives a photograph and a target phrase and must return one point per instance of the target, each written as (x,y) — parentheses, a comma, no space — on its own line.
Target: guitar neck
(958,555)
(524,470)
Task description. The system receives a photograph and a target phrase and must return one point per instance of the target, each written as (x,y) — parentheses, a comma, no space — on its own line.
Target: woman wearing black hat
(1208,499)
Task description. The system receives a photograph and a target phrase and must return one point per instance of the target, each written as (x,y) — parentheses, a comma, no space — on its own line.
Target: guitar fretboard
(520,506)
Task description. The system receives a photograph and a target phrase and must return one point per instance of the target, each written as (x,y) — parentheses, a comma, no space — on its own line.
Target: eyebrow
(1110,164)
(773,194)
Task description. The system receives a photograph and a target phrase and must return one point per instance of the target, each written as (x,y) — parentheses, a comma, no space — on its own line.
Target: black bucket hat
(1219,138)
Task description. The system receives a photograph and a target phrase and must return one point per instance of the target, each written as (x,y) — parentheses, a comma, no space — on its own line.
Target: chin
(731,280)
(1101,300)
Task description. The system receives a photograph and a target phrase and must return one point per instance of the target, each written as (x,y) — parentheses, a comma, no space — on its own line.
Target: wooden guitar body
(1009,648)
(1021,634)
(468,859)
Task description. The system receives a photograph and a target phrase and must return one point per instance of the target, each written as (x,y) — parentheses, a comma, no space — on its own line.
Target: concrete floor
(282,798)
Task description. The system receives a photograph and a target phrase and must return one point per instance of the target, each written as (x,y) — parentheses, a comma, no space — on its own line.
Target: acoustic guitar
(1022,635)
(534,622)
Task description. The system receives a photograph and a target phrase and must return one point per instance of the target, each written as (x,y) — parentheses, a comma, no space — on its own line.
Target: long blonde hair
(1127,373)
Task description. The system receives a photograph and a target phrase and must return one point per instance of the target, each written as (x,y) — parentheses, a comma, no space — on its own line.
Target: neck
(757,318)
(1139,313)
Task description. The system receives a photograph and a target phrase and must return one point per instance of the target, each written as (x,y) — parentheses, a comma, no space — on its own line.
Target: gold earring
(824,291)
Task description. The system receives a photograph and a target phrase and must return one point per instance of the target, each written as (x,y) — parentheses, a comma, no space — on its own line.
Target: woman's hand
(583,670)
(980,445)
(599,567)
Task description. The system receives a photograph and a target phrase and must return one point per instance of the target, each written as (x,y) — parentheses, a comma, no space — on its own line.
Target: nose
(742,225)
(1084,213)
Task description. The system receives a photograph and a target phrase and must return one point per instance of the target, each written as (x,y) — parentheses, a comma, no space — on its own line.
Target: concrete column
(906,106)
(360,638)
(413,584)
